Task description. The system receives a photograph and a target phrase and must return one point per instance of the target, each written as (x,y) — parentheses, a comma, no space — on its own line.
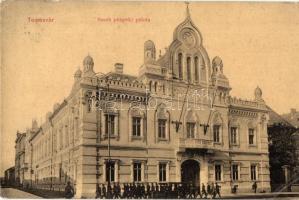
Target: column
(204,172)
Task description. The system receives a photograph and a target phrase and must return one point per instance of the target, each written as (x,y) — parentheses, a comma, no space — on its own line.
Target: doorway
(190,172)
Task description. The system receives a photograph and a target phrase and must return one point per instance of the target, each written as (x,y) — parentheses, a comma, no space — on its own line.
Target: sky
(258,44)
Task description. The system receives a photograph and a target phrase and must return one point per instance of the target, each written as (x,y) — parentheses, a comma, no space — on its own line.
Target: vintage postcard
(149,99)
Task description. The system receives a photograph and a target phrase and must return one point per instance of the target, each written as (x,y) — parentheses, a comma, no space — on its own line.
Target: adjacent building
(9,176)
(174,122)
(292,117)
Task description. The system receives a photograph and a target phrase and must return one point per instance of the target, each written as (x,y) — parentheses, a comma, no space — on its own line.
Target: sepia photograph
(149,100)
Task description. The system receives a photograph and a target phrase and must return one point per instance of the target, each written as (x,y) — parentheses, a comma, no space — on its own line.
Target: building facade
(292,117)
(9,176)
(174,122)
(20,166)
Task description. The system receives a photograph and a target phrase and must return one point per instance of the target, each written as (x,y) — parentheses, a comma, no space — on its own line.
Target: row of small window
(234,136)
(136,126)
(235,172)
(137,172)
(136,129)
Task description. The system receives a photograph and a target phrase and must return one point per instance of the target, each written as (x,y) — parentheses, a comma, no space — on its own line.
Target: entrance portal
(190,172)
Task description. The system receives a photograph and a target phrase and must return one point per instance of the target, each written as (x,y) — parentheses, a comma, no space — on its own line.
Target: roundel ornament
(188,38)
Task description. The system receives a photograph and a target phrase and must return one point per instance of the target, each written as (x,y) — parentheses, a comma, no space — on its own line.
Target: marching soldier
(203,191)
(69,191)
(104,191)
(254,186)
(98,191)
(217,190)
(213,191)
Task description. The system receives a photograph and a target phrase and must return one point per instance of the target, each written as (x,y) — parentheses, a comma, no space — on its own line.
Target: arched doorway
(190,172)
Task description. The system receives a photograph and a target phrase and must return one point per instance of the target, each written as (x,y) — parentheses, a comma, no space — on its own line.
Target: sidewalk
(260,195)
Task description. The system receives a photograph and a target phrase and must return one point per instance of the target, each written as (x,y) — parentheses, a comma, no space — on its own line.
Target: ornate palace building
(174,122)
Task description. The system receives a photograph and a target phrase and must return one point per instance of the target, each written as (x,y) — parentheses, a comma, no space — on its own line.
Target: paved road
(16,194)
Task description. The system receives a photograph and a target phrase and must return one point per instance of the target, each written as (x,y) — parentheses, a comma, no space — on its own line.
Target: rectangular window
(110,171)
(110,124)
(190,129)
(162,128)
(136,126)
(253,172)
(251,135)
(233,135)
(218,172)
(216,133)
(137,172)
(235,172)
(162,172)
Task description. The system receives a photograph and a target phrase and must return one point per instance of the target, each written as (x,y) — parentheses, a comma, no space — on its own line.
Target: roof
(119,76)
(275,118)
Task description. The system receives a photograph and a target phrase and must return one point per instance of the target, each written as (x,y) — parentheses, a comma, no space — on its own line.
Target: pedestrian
(198,192)
(104,191)
(203,191)
(69,191)
(217,188)
(98,191)
(254,186)
(109,191)
(213,191)
(209,189)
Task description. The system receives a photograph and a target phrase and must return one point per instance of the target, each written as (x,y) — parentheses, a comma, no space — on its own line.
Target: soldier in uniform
(69,191)
(98,191)
(104,191)
(203,191)
(217,188)
(254,186)
(213,190)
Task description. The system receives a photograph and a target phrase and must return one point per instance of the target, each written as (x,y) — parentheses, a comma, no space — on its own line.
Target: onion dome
(88,61)
(78,73)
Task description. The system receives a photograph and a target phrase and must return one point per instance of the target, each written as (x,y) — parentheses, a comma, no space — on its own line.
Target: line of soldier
(157,190)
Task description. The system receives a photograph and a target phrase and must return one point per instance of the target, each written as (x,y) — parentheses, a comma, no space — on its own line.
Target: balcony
(24,166)
(195,143)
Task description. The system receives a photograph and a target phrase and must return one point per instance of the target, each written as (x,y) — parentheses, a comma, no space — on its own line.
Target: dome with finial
(88,60)
(258,93)
(217,61)
(78,73)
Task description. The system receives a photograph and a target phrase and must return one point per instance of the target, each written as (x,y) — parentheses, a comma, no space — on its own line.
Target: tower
(149,52)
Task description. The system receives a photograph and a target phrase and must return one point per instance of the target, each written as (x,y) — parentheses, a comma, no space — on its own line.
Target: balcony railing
(195,143)
(24,165)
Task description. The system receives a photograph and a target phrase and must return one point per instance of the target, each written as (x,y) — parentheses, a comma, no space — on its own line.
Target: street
(17,194)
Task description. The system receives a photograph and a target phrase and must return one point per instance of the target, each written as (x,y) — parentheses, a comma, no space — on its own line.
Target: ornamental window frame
(256,165)
(133,113)
(234,124)
(162,113)
(165,163)
(251,126)
(217,122)
(221,172)
(191,119)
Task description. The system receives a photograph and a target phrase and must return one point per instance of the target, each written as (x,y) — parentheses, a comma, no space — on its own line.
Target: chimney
(119,68)
(293,112)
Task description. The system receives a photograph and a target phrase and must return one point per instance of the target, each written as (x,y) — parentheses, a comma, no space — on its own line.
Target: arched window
(155,85)
(180,60)
(150,86)
(234,135)
(191,124)
(136,118)
(189,69)
(162,123)
(196,69)
(217,128)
